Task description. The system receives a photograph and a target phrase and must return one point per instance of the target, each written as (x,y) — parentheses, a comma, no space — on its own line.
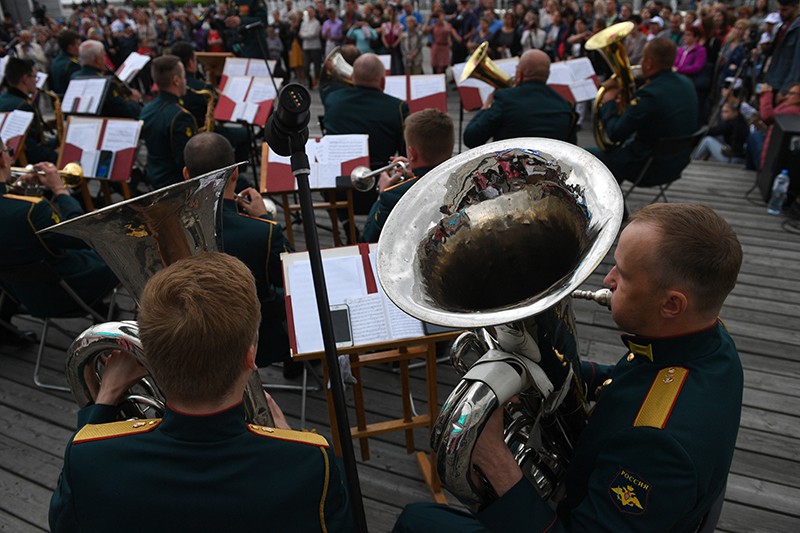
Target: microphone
(289,119)
(253,26)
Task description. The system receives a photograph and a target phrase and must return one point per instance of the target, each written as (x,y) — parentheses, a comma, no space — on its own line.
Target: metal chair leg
(38,364)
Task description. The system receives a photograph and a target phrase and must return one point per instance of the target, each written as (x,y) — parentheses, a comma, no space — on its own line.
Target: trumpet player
(429,138)
(204,466)
(656,451)
(20,78)
(22,216)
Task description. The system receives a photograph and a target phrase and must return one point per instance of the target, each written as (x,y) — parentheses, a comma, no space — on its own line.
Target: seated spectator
(725,141)
(758,141)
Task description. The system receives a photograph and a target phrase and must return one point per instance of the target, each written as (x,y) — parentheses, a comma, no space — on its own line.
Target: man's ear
(185,173)
(412,152)
(674,304)
(250,358)
(383,83)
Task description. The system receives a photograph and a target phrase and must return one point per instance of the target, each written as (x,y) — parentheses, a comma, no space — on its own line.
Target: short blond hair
(198,318)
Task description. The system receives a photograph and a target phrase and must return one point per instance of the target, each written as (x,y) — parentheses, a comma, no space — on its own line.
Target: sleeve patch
(629,492)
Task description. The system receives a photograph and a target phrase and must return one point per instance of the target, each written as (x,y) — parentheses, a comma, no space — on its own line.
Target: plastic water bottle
(778,196)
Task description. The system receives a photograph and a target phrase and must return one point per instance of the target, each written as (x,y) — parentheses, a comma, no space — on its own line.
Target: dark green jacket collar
(676,350)
(17,92)
(205,428)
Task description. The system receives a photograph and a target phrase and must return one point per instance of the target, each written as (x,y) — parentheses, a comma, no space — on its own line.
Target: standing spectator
(148,35)
(577,41)
(506,41)
(350,18)
(442,37)
(533,37)
(784,69)
(481,36)
(391,33)
(375,19)
(634,43)
(411,44)
(295,50)
(760,13)
(611,12)
(332,31)
(30,50)
(733,51)
(408,11)
(362,35)
(312,45)
(587,12)
(466,25)
(275,50)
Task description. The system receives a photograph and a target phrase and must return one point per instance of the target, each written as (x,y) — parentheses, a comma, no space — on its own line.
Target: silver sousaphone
(495,240)
(137,238)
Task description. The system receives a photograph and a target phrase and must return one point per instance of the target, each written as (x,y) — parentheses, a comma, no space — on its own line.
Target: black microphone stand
(301,169)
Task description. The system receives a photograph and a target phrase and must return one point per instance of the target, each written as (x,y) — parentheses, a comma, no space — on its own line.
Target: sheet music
(3,61)
(41,79)
(262,90)
(236,88)
(367,319)
(325,175)
(89,160)
(341,148)
(249,112)
(396,86)
(386,59)
(427,85)
(560,74)
(235,66)
(581,68)
(583,90)
(134,63)
(257,67)
(83,133)
(88,93)
(344,277)
(16,124)
(401,325)
(121,135)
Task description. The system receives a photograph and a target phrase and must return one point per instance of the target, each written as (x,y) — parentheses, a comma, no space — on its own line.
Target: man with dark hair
(664,107)
(656,451)
(784,66)
(531,109)
(120,101)
(252,236)
(210,469)
(65,63)
(429,137)
(168,125)
(20,78)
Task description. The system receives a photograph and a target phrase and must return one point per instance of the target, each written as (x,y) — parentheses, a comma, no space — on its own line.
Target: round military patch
(629,492)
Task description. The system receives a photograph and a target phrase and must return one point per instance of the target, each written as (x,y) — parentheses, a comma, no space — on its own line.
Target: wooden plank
(34,465)
(24,500)
(741,518)
(763,494)
(757,465)
(12,524)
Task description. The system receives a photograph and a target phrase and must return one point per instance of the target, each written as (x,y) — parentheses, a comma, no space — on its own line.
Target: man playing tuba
(656,451)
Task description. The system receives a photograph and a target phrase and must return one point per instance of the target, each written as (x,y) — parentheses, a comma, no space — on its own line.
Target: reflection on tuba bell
(497,238)
(481,67)
(335,70)
(610,43)
(137,238)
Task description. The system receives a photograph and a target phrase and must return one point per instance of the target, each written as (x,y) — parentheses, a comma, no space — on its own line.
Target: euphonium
(137,238)
(481,67)
(210,98)
(610,43)
(497,238)
(335,70)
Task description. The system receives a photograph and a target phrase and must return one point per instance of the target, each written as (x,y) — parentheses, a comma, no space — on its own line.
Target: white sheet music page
(396,86)
(344,278)
(236,88)
(84,133)
(235,66)
(262,90)
(134,63)
(401,325)
(367,319)
(560,74)
(257,67)
(333,150)
(581,68)
(16,124)
(583,90)
(41,79)
(121,135)
(427,85)
(88,93)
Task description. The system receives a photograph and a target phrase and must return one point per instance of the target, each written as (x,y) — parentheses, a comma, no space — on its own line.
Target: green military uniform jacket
(664,107)
(61,70)
(385,203)
(198,473)
(259,242)
(37,148)
(117,102)
(20,218)
(531,109)
(656,453)
(168,126)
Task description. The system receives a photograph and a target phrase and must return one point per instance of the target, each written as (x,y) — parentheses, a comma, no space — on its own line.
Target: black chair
(21,282)
(667,146)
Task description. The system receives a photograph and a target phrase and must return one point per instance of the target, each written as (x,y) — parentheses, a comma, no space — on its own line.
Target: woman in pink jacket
(691,57)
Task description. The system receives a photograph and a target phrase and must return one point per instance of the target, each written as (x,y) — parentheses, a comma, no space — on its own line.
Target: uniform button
(630,357)
(671,370)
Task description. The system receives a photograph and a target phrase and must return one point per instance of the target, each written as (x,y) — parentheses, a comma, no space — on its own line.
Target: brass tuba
(137,238)
(610,43)
(335,70)
(481,67)
(497,238)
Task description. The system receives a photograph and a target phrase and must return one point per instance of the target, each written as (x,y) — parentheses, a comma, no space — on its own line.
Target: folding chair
(22,282)
(667,146)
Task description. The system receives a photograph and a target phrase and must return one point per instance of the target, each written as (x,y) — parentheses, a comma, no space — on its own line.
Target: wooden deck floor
(762,313)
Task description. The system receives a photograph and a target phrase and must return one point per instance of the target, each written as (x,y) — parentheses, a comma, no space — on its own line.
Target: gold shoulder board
(268,221)
(303,437)
(658,403)
(91,432)
(31,199)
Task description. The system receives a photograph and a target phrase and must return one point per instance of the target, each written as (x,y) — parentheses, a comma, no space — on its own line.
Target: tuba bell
(610,43)
(481,67)
(137,238)
(496,239)
(335,70)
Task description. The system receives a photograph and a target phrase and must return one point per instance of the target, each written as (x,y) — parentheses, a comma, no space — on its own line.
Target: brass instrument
(71,175)
(363,179)
(610,43)
(58,113)
(211,98)
(137,238)
(498,238)
(481,67)
(335,71)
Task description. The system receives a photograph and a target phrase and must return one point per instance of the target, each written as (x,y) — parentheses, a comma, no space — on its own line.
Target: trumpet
(71,175)
(363,179)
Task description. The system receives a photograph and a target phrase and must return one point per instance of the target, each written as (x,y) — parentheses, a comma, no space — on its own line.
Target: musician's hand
(136,95)
(122,371)
(50,178)
(494,458)
(489,101)
(386,180)
(277,414)
(256,206)
(233,22)
(610,94)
